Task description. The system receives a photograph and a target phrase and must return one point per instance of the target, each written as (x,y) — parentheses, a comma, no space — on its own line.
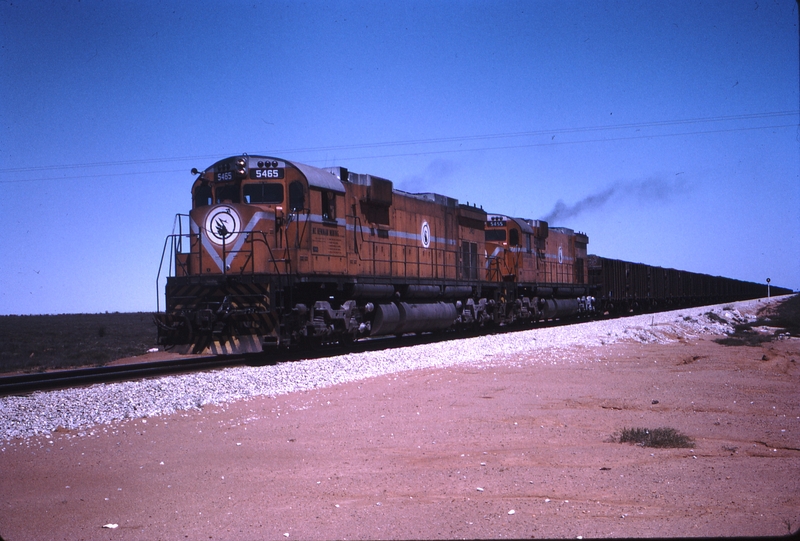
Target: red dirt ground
(521,449)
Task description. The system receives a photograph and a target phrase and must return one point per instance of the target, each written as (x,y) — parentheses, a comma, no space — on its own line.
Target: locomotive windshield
(263,193)
(495,235)
(227,194)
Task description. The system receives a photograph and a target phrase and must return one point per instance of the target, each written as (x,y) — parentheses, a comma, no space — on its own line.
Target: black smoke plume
(652,191)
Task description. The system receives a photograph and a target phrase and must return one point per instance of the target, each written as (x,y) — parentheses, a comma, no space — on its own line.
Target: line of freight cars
(621,286)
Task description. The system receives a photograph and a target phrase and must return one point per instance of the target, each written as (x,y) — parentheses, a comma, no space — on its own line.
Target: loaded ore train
(276,253)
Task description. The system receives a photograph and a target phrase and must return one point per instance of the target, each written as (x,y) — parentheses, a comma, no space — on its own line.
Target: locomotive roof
(319,178)
(523,225)
(430,196)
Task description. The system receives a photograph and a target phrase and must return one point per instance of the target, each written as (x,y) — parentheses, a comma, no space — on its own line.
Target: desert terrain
(523,446)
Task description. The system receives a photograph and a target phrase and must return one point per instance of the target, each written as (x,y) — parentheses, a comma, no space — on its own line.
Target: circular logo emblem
(222,225)
(425,234)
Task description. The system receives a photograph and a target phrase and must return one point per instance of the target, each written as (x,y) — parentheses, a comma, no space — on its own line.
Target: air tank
(403,317)
(556,308)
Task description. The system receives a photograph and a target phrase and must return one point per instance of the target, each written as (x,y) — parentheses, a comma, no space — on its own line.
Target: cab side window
(495,235)
(513,237)
(202,196)
(329,206)
(297,196)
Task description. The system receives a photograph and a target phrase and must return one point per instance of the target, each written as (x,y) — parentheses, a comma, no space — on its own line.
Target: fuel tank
(403,317)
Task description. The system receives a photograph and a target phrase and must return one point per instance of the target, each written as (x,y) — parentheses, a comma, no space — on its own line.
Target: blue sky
(667,131)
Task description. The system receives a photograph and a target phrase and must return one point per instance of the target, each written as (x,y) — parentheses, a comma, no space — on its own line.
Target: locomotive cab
(509,245)
(255,222)
(252,214)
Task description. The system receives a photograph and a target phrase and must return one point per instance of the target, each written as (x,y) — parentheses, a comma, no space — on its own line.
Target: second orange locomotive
(278,252)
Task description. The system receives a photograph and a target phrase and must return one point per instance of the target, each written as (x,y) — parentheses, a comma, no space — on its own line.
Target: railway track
(61,379)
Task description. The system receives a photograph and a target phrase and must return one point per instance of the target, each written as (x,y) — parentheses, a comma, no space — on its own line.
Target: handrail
(438,260)
(158,276)
(249,239)
(250,259)
(179,223)
(175,242)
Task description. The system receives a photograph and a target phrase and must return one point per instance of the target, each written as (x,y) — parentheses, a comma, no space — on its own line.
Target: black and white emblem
(222,225)
(425,234)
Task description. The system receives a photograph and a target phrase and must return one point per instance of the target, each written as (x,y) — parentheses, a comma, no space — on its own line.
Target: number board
(224,176)
(266,173)
(496,221)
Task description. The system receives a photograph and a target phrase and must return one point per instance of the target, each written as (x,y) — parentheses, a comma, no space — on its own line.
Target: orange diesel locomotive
(278,252)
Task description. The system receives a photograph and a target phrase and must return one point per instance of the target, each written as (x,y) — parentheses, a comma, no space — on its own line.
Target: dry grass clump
(655,437)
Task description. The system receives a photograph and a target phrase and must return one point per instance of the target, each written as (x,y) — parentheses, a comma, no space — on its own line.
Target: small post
(768,281)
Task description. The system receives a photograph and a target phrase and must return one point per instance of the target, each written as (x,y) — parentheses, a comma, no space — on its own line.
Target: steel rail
(59,379)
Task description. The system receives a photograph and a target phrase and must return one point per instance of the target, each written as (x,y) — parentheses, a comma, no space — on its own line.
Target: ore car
(622,286)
